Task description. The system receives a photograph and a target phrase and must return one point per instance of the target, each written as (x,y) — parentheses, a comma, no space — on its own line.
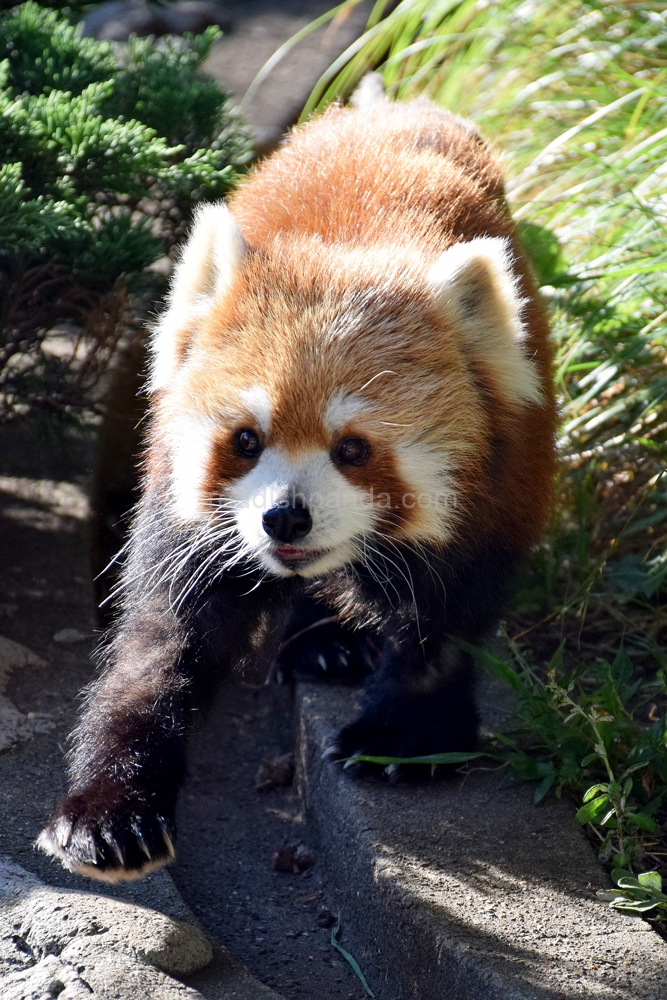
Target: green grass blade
(351,960)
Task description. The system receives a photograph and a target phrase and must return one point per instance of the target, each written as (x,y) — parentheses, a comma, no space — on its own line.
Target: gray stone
(259,29)
(16,725)
(463,889)
(56,942)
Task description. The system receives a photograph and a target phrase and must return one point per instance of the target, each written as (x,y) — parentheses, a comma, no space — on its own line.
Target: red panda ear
(476,289)
(208,262)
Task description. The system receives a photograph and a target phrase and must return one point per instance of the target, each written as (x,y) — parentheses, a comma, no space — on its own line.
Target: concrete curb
(463,889)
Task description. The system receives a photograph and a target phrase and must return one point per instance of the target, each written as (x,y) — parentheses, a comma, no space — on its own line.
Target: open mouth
(294,557)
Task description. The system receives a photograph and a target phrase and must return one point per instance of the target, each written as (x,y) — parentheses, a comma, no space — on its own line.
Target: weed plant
(575,95)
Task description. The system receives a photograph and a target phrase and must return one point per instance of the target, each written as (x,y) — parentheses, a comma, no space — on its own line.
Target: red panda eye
(247,443)
(353,451)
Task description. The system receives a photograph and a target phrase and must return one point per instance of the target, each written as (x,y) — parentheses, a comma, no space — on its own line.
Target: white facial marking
(340,512)
(258,402)
(192,443)
(431,497)
(340,409)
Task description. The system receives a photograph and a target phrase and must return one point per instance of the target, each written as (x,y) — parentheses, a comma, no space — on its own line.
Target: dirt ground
(229,833)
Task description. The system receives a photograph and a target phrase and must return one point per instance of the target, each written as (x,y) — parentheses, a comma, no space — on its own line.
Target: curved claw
(169,843)
(144,846)
(62,831)
(332,752)
(115,847)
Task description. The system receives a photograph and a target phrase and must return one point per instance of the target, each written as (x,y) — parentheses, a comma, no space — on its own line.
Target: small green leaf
(642,906)
(433,759)
(492,663)
(350,959)
(653,880)
(591,812)
(644,822)
(631,882)
(590,792)
(544,787)
(589,760)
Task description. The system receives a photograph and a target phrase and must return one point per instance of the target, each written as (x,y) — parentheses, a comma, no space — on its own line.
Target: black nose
(288,522)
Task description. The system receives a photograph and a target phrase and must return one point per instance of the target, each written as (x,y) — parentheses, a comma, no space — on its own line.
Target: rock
(293,858)
(259,32)
(67,636)
(56,942)
(15,725)
(116,20)
(275,773)
(13,656)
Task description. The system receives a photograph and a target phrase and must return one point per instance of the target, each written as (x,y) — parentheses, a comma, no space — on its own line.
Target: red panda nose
(287,523)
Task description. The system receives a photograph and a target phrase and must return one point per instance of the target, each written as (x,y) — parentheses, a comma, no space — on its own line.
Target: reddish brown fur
(335,294)
(400,184)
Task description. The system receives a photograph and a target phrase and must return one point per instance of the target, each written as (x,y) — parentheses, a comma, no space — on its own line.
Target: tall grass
(575,94)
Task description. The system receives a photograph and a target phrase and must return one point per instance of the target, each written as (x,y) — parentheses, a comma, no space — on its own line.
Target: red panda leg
(129,750)
(420,698)
(317,646)
(413,707)
(128,759)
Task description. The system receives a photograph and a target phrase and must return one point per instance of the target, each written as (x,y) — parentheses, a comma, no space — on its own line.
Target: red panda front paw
(109,834)
(406,724)
(367,738)
(328,653)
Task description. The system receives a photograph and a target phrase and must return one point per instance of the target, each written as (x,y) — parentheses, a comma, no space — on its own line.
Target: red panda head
(315,397)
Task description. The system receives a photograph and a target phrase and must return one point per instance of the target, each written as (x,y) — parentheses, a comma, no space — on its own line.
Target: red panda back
(406,173)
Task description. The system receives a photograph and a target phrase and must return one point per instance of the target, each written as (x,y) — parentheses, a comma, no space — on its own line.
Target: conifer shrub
(104,151)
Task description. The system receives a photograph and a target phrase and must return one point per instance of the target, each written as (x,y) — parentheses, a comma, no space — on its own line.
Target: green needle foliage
(103,154)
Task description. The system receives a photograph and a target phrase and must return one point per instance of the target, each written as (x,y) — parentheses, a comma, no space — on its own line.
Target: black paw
(109,834)
(406,725)
(326,652)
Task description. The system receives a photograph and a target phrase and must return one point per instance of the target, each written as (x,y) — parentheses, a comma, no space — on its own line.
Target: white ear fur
(476,289)
(208,262)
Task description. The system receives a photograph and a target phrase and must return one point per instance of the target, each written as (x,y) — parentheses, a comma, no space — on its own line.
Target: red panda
(352,410)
